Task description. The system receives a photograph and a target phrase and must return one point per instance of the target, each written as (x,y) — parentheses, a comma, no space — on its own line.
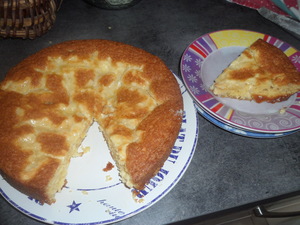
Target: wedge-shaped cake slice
(262,73)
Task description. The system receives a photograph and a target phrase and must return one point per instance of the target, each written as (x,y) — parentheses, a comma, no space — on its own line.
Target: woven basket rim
(27,18)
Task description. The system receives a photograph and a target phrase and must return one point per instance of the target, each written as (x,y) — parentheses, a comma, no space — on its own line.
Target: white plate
(93,196)
(206,57)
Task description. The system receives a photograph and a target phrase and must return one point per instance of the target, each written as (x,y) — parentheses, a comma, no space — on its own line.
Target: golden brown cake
(50,99)
(262,73)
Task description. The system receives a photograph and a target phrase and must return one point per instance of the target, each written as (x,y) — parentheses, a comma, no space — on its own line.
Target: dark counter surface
(227,170)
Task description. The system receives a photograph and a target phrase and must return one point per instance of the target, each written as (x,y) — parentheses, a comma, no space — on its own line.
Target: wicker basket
(27,18)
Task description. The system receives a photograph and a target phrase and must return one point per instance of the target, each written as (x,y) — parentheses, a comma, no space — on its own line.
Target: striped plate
(206,57)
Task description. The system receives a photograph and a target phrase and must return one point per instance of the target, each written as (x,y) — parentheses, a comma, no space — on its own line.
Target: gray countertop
(227,170)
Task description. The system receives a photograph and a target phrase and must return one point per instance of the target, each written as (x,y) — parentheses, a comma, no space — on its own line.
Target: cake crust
(50,99)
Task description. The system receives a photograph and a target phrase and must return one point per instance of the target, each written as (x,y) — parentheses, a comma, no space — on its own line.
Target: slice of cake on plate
(262,73)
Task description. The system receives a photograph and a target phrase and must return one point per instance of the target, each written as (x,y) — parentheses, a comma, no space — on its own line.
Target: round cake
(50,99)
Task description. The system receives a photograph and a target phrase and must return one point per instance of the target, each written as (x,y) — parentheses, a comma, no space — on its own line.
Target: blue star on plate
(74,206)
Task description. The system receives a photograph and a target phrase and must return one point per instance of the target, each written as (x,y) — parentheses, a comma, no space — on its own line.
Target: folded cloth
(288,8)
(290,25)
(285,13)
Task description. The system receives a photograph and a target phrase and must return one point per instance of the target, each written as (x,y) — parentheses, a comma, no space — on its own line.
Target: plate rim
(236,130)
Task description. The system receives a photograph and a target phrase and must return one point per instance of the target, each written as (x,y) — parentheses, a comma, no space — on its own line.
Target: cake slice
(262,73)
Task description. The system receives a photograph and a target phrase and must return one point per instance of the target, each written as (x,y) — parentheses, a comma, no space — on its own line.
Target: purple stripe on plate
(210,103)
(284,47)
(204,43)
(205,97)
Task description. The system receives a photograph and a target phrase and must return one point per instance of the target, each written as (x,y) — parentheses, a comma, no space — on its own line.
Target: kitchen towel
(289,8)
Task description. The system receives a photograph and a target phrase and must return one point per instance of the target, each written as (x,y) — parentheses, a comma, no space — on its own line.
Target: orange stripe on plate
(217,107)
